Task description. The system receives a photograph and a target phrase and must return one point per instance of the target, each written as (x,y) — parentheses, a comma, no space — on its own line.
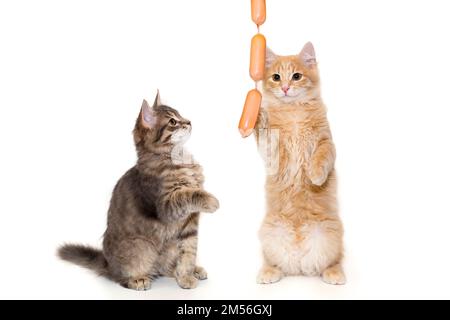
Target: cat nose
(285,88)
(187,125)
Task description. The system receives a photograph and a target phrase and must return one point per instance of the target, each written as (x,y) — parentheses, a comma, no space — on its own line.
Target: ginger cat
(301,233)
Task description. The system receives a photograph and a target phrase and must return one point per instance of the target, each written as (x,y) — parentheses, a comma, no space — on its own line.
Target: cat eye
(276,77)
(297,76)
(173,122)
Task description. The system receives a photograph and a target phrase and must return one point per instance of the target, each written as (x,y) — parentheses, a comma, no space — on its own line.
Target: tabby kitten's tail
(85,256)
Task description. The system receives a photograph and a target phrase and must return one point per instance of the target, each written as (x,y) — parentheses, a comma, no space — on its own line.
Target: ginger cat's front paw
(318,175)
(269,275)
(207,202)
(187,281)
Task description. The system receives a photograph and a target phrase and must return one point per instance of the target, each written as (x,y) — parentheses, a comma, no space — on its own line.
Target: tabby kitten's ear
(148,117)
(148,113)
(270,57)
(157,100)
(308,55)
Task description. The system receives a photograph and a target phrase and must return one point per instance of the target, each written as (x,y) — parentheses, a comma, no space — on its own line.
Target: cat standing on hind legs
(154,211)
(301,233)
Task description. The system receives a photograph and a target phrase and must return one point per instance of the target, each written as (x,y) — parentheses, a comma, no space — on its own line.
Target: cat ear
(308,55)
(157,100)
(270,56)
(148,117)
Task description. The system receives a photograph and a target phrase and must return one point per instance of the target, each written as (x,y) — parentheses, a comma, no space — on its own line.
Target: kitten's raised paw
(200,273)
(317,175)
(334,275)
(269,275)
(187,281)
(139,284)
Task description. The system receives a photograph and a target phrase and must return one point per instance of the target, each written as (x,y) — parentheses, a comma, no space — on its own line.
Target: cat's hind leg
(140,283)
(132,262)
(269,274)
(334,275)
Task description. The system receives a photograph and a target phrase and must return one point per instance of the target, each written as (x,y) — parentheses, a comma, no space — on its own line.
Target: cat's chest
(293,143)
(293,130)
(188,176)
(298,142)
(287,153)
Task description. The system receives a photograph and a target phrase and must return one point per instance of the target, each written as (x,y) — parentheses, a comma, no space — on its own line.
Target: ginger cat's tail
(85,256)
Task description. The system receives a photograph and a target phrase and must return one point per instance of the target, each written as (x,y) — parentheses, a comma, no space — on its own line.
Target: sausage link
(259,11)
(250,113)
(257,57)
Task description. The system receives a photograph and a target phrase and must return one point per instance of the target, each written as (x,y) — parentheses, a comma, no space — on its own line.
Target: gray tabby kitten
(154,211)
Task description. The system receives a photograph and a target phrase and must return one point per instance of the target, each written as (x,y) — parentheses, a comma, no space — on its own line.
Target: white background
(72,78)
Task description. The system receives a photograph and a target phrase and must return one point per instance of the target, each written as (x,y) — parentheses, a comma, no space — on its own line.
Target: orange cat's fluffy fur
(301,232)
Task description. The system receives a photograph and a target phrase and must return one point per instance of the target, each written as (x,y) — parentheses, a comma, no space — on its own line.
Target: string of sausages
(257,65)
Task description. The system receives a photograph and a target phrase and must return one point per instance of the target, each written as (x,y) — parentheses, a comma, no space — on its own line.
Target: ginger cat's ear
(270,57)
(148,117)
(308,55)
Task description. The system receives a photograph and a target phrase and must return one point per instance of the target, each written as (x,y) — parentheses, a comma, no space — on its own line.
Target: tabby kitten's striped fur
(154,211)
